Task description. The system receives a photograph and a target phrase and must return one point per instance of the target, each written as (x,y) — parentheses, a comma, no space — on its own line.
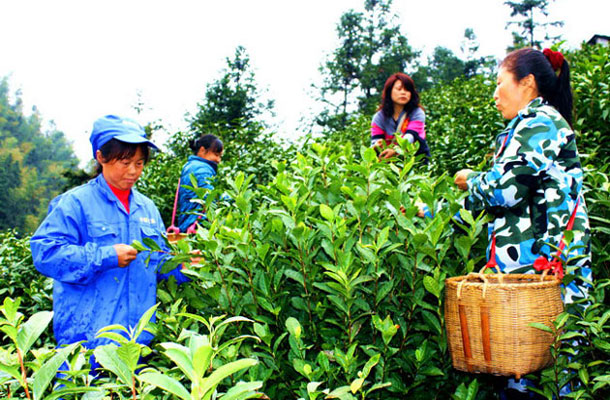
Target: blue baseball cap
(114,127)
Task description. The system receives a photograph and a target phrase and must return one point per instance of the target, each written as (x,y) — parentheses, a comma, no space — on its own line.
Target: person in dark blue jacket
(99,279)
(203,165)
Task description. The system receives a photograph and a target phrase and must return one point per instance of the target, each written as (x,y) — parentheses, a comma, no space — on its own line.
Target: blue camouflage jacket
(531,191)
(74,246)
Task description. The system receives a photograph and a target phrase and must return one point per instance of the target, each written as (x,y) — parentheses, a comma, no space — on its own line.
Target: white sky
(78,60)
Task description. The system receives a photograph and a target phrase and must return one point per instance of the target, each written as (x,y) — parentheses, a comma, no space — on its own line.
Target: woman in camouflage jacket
(535,183)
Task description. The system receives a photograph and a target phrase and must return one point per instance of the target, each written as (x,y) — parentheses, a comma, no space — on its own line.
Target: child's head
(208,147)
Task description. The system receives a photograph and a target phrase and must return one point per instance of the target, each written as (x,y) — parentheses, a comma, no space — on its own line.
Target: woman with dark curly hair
(399,114)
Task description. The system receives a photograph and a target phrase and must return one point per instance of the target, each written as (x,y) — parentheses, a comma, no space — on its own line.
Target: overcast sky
(78,60)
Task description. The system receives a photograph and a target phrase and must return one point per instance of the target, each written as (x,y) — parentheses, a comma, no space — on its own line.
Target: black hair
(555,89)
(387,105)
(117,150)
(208,142)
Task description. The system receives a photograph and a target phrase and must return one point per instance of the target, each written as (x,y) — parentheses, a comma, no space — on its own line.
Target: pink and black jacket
(413,129)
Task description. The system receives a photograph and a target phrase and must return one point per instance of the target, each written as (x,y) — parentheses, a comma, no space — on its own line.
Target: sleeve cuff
(472,180)
(110,259)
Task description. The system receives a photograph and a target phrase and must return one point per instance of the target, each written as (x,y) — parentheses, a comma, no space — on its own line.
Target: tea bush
(18,277)
(325,252)
(461,123)
(338,284)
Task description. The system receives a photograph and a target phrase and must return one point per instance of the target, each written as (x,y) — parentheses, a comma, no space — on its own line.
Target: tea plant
(15,364)
(323,255)
(199,358)
(19,278)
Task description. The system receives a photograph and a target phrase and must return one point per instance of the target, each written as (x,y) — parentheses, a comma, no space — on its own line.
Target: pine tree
(232,104)
(529,14)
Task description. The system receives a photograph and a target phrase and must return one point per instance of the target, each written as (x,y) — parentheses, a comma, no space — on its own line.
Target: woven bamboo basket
(487,318)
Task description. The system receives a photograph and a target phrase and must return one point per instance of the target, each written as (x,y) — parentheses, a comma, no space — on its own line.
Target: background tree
(474,64)
(232,109)
(235,111)
(443,66)
(341,72)
(32,164)
(529,13)
(232,104)
(371,48)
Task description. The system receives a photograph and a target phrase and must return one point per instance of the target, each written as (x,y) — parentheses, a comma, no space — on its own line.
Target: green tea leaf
(166,383)
(32,329)
(136,244)
(294,327)
(432,286)
(209,384)
(540,326)
(243,391)
(327,212)
(108,357)
(151,244)
(180,355)
(129,353)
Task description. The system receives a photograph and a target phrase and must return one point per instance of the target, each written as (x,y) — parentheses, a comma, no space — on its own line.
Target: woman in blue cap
(84,242)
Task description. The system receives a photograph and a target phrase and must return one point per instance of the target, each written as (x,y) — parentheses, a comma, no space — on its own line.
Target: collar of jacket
(532,107)
(210,163)
(528,111)
(134,196)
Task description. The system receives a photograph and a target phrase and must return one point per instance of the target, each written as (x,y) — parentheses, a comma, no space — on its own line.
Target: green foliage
(581,349)
(530,13)
(232,101)
(22,336)
(461,123)
(19,278)
(205,355)
(590,74)
(443,67)
(590,71)
(371,49)
(325,246)
(31,165)
(198,358)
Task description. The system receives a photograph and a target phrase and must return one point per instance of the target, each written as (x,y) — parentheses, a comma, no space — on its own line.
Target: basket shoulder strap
(492,263)
(173,227)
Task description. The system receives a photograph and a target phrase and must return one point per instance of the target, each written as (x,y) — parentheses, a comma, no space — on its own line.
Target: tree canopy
(233,102)
(371,48)
(32,163)
(529,14)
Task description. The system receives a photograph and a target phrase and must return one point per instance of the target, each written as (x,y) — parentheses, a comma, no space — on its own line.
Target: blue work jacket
(74,246)
(204,171)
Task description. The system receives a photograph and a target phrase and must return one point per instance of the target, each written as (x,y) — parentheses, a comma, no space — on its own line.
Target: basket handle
(541,263)
(555,265)
(474,275)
